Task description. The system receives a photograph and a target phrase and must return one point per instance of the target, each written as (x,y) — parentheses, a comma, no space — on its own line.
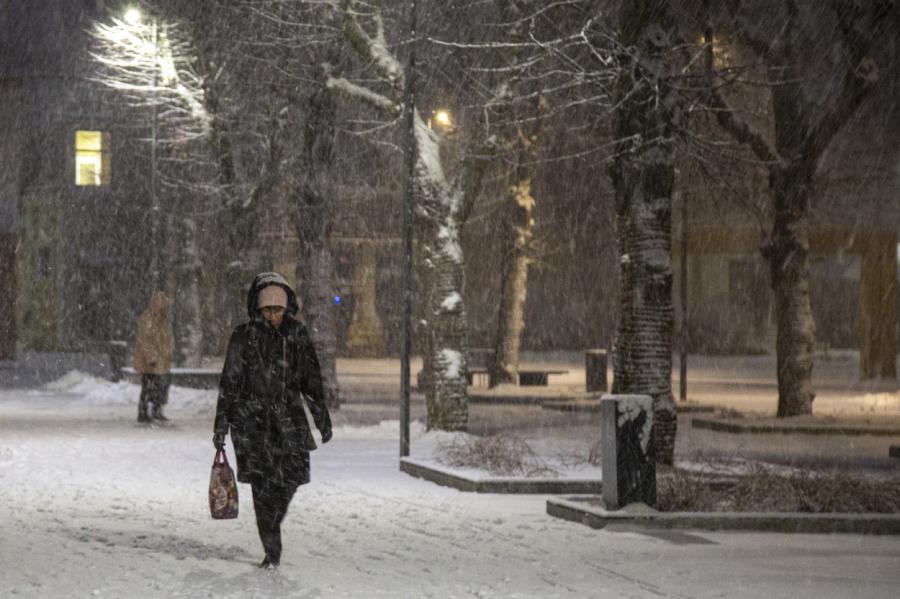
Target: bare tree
(183,68)
(821,61)
(152,63)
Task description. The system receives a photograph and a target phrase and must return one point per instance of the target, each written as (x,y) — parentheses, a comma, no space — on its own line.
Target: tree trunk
(643,176)
(518,231)
(878,307)
(441,271)
(190,346)
(8,289)
(313,221)
(788,255)
(517,220)
(318,269)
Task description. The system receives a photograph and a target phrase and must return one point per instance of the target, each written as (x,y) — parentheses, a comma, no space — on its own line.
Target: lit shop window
(91,158)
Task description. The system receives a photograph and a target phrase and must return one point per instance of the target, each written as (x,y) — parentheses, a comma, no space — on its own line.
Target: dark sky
(38,37)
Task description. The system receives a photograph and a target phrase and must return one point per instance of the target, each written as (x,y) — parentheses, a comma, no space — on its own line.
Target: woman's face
(273,315)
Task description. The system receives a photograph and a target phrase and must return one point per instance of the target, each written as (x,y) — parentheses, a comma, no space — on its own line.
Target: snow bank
(96,391)
(385,430)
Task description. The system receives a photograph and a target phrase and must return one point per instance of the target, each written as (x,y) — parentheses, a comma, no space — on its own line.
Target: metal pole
(682,380)
(155,212)
(409,102)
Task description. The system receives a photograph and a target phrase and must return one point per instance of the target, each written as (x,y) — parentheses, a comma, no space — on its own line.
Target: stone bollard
(595,370)
(628,458)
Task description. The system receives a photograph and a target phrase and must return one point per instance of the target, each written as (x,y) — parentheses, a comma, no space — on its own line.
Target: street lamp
(440,118)
(133,16)
(409,106)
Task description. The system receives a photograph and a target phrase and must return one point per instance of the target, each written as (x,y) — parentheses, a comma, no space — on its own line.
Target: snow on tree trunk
(518,231)
(643,176)
(444,320)
(438,220)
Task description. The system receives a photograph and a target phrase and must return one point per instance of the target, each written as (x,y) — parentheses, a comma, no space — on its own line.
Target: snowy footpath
(91,505)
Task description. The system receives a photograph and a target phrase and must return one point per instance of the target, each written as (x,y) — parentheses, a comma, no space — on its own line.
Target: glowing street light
(442,119)
(133,16)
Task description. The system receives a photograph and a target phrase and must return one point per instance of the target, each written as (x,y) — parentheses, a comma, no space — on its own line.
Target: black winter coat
(266,374)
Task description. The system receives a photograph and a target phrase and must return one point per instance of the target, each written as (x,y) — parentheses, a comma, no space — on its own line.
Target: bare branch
(363,93)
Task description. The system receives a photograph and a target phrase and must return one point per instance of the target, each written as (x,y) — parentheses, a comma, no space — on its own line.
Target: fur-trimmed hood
(264,279)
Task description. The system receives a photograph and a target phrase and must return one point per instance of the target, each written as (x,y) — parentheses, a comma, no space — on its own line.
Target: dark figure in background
(269,368)
(153,346)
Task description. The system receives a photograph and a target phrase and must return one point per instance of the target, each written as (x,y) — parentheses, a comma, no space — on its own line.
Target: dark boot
(157,413)
(142,410)
(268,563)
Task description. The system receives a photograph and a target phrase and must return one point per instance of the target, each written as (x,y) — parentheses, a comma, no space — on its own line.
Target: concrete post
(628,456)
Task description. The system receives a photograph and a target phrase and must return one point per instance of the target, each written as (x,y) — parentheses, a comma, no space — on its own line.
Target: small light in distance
(442,118)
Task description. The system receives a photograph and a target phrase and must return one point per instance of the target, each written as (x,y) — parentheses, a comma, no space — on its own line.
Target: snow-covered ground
(91,505)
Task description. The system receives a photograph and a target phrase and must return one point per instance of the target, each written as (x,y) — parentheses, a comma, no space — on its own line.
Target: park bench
(527,378)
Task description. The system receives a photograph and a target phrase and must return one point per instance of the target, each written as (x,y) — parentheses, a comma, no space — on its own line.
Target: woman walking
(269,368)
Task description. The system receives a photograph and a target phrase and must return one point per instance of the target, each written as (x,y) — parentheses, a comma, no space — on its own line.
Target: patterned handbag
(223,493)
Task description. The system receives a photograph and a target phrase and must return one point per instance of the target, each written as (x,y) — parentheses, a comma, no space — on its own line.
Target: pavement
(743,386)
(96,506)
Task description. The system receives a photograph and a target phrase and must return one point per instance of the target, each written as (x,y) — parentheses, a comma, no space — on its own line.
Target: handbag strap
(220,452)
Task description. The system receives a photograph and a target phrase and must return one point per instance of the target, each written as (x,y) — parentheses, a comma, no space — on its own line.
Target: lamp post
(409,105)
(133,17)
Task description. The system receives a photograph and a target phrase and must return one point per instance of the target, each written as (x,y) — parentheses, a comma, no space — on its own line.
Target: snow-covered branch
(373,48)
(363,93)
(153,65)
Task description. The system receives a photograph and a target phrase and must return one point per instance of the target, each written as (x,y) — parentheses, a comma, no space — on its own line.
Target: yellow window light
(91,158)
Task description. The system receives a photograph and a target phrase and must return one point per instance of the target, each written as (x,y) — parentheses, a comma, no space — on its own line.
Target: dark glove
(326,434)
(219,441)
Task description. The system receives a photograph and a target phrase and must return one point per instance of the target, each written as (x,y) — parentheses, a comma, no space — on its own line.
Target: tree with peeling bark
(519,142)
(822,62)
(438,214)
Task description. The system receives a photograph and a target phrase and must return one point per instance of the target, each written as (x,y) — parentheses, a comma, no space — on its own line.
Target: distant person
(153,346)
(270,365)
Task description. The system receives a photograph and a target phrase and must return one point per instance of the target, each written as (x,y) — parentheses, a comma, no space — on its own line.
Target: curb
(593,405)
(582,405)
(731,426)
(509,485)
(578,510)
(693,408)
(482,398)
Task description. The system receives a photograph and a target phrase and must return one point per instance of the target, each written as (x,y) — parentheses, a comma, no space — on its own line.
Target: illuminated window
(91,158)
